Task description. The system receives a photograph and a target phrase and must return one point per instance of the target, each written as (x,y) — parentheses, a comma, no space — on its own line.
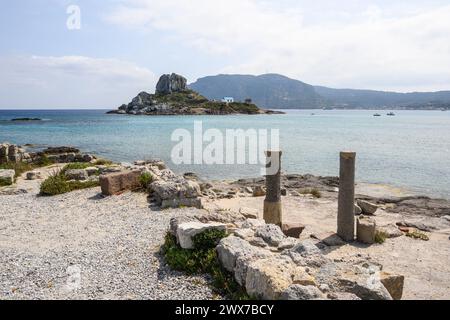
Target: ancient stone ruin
(273,263)
(166,188)
(346,202)
(272,203)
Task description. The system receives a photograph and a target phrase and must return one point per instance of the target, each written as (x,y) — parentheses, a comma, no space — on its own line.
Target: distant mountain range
(280,92)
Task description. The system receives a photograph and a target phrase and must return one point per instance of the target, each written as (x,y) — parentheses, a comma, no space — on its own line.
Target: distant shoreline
(273,109)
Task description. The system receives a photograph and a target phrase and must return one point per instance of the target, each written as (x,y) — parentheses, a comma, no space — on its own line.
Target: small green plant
(145,179)
(53,185)
(103,162)
(75,166)
(203,259)
(415,234)
(57,184)
(380,237)
(314,192)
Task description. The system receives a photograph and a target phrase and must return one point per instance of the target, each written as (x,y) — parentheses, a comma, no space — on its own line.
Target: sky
(51,59)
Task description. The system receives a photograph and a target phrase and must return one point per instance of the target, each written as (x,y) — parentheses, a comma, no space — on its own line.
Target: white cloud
(362,44)
(70,82)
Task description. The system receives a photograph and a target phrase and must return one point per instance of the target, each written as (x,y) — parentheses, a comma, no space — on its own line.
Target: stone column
(346,205)
(272,203)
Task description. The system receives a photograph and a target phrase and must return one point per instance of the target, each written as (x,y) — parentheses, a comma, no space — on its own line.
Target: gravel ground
(83,246)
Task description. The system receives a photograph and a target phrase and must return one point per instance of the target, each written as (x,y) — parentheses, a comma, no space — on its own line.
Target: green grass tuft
(57,184)
(380,237)
(418,235)
(75,166)
(145,179)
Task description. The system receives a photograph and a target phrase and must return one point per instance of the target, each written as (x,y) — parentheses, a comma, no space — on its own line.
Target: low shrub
(145,179)
(418,235)
(57,184)
(380,237)
(103,162)
(53,185)
(75,166)
(203,260)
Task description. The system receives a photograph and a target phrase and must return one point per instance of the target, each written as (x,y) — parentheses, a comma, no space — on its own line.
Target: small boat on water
(377,115)
(391,114)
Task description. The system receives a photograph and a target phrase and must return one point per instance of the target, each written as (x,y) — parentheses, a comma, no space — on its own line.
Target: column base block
(273,213)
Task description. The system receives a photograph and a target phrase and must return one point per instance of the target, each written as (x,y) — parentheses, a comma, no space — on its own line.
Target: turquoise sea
(410,150)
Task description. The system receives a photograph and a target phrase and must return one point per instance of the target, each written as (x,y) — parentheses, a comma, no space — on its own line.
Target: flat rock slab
(329,239)
(427,225)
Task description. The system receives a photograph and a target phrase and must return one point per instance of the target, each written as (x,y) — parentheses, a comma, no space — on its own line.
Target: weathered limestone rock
(7,177)
(346,202)
(4,149)
(394,284)
(287,243)
(427,224)
(307,248)
(391,231)
(293,230)
(235,255)
(251,223)
(300,292)
(249,213)
(33,175)
(366,230)
(245,234)
(269,278)
(175,222)
(91,171)
(177,192)
(271,234)
(364,281)
(259,191)
(60,150)
(77,174)
(272,204)
(344,296)
(115,183)
(187,231)
(307,254)
(301,277)
(367,207)
(330,239)
(171,83)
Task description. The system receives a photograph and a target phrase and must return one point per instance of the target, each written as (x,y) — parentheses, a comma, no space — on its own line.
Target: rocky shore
(104,242)
(173,97)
